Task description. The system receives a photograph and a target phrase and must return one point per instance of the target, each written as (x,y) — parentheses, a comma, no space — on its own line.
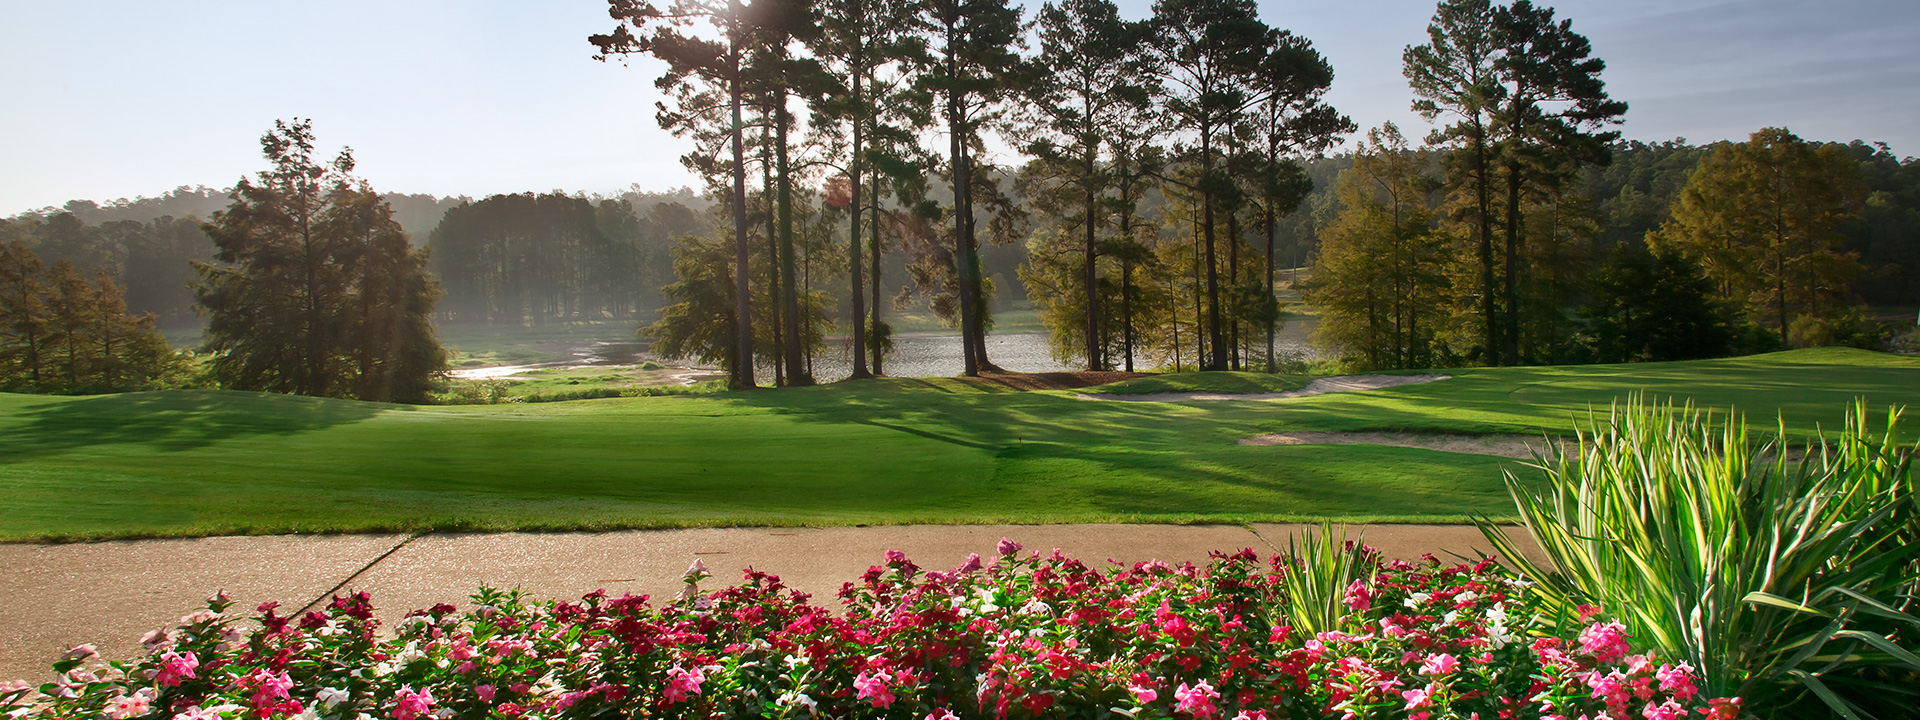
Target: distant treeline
(1632,196)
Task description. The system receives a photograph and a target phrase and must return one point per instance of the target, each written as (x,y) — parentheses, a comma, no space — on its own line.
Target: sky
(117,99)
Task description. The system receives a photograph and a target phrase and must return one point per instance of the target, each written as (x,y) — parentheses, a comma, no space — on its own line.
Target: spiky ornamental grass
(1786,575)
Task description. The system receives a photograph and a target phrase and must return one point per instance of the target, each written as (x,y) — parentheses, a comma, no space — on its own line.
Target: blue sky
(112,98)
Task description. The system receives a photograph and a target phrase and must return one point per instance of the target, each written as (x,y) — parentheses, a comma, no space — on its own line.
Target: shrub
(1784,575)
(1026,636)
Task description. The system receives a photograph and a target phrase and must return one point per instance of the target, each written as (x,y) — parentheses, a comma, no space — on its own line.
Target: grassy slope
(200,462)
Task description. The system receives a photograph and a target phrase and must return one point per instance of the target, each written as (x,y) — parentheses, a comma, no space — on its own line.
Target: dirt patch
(1510,446)
(1052,380)
(1322,386)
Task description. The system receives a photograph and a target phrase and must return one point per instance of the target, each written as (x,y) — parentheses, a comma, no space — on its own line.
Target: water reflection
(914,355)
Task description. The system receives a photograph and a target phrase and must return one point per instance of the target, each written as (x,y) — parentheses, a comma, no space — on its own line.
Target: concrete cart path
(111,593)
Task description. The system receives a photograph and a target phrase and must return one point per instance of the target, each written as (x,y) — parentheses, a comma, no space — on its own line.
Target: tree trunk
(797,374)
(1511,341)
(768,193)
(1218,361)
(962,267)
(873,282)
(1089,273)
(857,292)
(1483,194)
(742,375)
(1271,320)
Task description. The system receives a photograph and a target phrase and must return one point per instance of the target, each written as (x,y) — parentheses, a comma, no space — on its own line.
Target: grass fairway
(885,451)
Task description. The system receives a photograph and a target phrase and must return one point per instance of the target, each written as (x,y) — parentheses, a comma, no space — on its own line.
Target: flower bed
(1026,636)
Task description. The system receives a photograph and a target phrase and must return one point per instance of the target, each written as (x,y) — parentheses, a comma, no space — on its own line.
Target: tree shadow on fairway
(171,421)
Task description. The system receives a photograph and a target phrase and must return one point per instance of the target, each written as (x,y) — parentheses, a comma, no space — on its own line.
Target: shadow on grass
(171,420)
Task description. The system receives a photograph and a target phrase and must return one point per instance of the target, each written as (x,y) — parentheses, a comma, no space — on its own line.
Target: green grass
(883,451)
(1239,383)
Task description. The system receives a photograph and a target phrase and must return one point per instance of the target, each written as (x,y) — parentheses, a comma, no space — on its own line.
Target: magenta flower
(873,689)
(1359,597)
(1007,547)
(681,683)
(1668,710)
(1439,665)
(175,667)
(409,703)
(485,692)
(1197,699)
(1417,698)
(1606,642)
(1143,694)
(1678,680)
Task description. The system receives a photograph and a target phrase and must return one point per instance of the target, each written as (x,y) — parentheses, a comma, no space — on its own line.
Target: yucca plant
(1319,572)
(1785,575)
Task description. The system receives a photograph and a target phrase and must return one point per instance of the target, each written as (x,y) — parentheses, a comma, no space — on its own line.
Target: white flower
(1498,637)
(795,661)
(1451,616)
(331,697)
(1497,614)
(1035,607)
(1468,596)
(796,698)
(1417,599)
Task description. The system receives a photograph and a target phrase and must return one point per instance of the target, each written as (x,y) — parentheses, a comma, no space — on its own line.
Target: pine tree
(318,292)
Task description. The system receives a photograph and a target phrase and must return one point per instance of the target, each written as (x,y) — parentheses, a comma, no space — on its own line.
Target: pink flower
(1587,612)
(1606,642)
(1439,665)
(1197,699)
(196,713)
(175,667)
(1358,596)
(409,703)
(873,689)
(942,714)
(1007,547)
(485,692)
(1678,680)
(895,556)
(972,563)
(1417,698)
(1668,710)
(127,706)
(1251,715)
(680,684)
(1612,688)
(1143,694)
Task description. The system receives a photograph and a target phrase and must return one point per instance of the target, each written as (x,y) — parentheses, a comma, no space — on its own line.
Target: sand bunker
(1322,386)
(1510,446)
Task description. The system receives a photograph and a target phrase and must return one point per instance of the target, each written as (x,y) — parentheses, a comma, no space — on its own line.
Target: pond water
(914,355)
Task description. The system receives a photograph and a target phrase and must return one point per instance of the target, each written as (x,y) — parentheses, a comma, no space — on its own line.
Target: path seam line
(362,571)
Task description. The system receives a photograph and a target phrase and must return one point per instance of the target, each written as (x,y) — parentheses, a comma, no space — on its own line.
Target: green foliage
(524,258)
(700,321)
(318,291)
(1321,566)
(61,332)
(1379,278)
(1652,307)
(1786,575)
(1763,218)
